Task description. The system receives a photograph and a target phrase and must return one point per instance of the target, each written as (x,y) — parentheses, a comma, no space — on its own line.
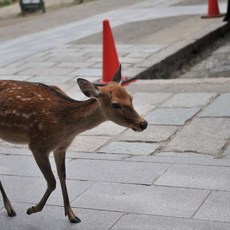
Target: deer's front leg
(42,160)
(9,208)
(59,155)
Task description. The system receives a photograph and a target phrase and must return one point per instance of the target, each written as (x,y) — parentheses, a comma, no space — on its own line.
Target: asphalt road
(18,26)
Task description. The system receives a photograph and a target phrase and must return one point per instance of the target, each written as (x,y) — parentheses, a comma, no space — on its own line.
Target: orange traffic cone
(213,10)
(110,59)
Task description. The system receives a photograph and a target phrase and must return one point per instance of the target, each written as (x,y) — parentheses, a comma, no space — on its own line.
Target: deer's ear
(117,75)
(89,89)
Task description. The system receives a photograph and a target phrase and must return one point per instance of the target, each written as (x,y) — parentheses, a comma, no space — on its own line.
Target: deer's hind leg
(43,163)
(7,204)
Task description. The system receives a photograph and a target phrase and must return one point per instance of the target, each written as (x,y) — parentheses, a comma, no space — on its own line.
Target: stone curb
(171,63)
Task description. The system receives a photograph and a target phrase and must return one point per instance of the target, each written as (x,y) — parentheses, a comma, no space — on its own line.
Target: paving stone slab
(31,190)
(130,148)
(12,145)
(15,64)
(171,116)
(130,60)
(51,79)
(73,65)
(181,85)
(138,54)
(40,64)
(47,71)
(19,165)
(107,128)
(219,108)
(182,158)
(72,89)
(215,208)
(189,100)
(11,70)
(227,153)
(149,222)
(196,176)
(93,59)
(150,98)
(175,202)
(67,53)
(151,134)
(203,135)
(65,58)
(144,110)
(75,95)
(16,77)
(133,71)
(93,54)
(52,217)
(89,72)
(7,150)
(88,143)
(114,171)
(40,57)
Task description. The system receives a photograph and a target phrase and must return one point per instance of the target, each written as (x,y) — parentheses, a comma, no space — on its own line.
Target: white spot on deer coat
(40,126)
(25,115)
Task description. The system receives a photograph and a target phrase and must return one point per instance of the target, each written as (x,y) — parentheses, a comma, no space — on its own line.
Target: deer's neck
(84,115)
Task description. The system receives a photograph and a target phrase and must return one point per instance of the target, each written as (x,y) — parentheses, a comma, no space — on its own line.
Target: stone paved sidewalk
(174,175)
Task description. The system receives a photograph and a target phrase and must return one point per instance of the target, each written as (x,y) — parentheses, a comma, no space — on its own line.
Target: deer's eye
(116,105)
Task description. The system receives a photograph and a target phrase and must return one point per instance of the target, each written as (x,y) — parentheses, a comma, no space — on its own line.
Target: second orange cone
(213,9)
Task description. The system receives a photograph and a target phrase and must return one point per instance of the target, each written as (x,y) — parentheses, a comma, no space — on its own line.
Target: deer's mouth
(137,130)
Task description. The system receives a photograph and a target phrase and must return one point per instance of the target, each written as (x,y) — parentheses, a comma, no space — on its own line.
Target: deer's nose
(143,125)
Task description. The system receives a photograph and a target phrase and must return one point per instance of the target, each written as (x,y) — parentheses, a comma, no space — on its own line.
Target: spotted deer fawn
(46,119)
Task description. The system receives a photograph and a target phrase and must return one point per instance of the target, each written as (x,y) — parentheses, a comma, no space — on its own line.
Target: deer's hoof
(30,211)
(75,220)
(11,212)
(9,208)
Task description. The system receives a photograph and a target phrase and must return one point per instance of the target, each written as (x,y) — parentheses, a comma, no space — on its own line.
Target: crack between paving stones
(123,156)
(85,190)
(123,215)
(180,163)
(201,204)
(165,171)
(27,176)
(110,141)
(212,99)
(186,187)
(188,151)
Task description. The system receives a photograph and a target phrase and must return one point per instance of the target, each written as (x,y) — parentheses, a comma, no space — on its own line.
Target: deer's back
(29,110)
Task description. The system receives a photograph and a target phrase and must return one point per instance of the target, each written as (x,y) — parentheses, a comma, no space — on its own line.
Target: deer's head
(115,101)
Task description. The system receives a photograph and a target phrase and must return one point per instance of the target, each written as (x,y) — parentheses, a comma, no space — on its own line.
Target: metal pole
(227,17)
